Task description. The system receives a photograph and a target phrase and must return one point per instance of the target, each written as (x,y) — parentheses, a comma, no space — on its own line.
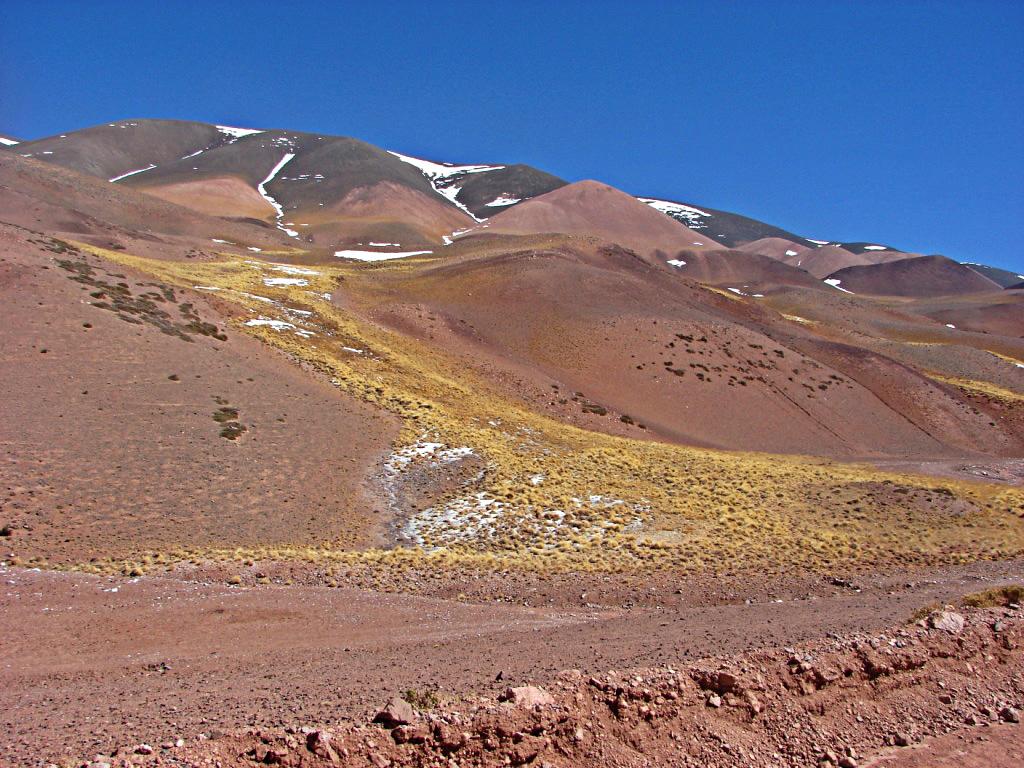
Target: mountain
(1003,277)
(921,276)
(728,229)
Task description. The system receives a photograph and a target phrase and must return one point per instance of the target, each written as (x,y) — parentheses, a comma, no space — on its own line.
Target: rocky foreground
(949,687)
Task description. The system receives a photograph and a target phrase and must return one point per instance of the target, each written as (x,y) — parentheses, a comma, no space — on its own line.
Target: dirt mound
(597,210)
(1002,318)
(395,204)
(823,261)
(919,277)
(749,271)
(775,247)
(802,706)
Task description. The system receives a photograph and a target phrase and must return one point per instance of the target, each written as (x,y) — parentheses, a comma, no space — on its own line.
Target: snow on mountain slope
(694,218)
(262,189)
(446,178)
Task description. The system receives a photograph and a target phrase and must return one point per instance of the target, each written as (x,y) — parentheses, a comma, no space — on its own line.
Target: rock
(714,700)
(275,756)
(947,621)
(753,702)
(319,743)
(847,762)
(143,749)
(901,739)
(396,712)
(410,734)
(1009,715)
(830,757)
(528,696)
(448,738)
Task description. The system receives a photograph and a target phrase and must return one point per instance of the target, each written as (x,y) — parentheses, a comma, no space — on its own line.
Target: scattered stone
(319,743)
(143,749)
(714,700)
(947,621)
(396,712)
(1009,715)
(410,734)
(528,696)
(901,739)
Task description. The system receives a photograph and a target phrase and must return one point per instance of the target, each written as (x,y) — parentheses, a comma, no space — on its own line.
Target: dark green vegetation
(142,308)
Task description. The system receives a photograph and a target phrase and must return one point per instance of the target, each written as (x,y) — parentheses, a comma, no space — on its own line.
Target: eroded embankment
(843,701)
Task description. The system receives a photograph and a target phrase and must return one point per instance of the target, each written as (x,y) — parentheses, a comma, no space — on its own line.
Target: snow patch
(685,214)
(272,281)
(835,284)
(377,255)
(950,325)
(288,269)
(875,248)
(132,173)
(499,202)
(237,132)
(791,253)
(9,142)
(262,189)
(277,325)
(676,262)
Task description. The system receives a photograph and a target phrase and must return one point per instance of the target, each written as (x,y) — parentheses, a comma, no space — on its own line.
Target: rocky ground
(112,663)
(950,685)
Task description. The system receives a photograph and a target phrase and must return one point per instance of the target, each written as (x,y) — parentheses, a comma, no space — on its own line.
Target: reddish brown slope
(595,209)
(645,345)
(739,269)
(115,401)
(49,198)
(920,277)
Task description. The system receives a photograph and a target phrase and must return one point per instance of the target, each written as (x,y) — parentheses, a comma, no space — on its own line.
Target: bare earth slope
(922,276)
(146,389)
(595,209)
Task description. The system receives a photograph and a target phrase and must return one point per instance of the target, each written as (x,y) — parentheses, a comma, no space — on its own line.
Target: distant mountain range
(337,192)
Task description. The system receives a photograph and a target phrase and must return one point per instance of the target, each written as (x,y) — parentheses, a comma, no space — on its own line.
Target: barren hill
(921,276)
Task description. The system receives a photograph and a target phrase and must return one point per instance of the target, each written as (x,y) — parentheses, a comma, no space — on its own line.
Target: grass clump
(997,597)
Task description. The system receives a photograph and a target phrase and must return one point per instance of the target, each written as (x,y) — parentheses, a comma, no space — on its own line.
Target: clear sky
(898,122)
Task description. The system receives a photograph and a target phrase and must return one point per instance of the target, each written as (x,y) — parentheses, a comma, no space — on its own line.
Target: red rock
(396,712)
(528,696)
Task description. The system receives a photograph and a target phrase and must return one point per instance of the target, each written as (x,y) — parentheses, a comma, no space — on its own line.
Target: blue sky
(899,122)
